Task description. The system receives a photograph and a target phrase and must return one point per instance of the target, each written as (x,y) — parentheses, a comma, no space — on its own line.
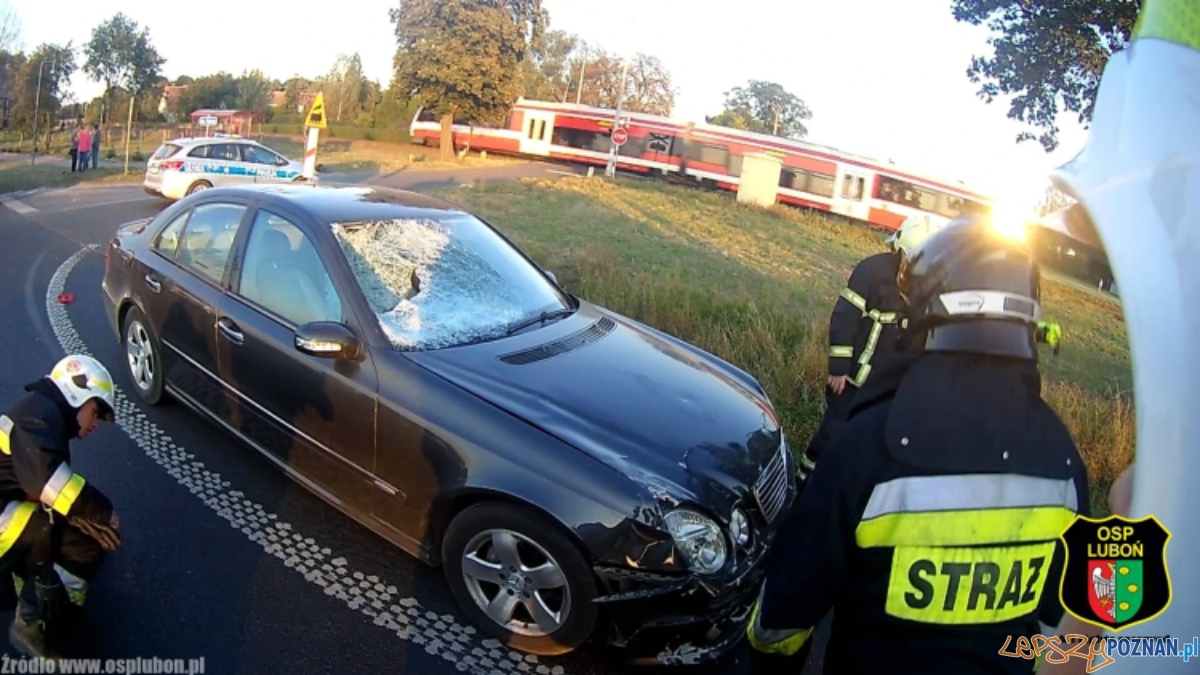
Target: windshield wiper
(540,318)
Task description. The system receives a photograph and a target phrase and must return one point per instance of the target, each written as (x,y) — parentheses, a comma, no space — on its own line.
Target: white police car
(186,165)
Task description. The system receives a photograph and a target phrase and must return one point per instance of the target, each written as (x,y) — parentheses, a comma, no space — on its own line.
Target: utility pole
(611,170)
(582,68)
(37,107)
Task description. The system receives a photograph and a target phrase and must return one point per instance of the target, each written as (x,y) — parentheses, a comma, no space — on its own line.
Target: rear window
(166,150)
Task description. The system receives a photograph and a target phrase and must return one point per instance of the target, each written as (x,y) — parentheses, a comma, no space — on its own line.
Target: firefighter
(931,526)
(863,328)
(55,526)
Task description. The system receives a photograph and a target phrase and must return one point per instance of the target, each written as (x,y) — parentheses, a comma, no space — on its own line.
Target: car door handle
(230,330)
(153,283)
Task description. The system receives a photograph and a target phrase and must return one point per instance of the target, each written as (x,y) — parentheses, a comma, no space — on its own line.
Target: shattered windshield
(439,283)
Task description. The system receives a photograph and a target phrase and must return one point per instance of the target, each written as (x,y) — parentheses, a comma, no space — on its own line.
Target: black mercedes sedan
(575,473)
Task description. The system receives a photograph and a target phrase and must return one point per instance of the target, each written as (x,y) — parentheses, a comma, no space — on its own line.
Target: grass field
(18,175)
(355,156)
(756,287)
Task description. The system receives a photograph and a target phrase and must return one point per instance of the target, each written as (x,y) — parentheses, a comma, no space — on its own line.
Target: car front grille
(770,490)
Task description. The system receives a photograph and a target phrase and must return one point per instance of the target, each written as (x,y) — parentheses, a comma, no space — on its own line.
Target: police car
(187,165)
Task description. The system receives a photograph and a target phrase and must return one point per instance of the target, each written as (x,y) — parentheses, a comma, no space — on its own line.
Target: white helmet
(914,231)
(81,378)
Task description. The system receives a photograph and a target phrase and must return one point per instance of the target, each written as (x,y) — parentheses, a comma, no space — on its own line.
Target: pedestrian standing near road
(85,146)
(931,526)
(74,149)
(95,146)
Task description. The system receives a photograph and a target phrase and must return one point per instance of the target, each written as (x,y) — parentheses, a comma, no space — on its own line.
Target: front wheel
(519,578)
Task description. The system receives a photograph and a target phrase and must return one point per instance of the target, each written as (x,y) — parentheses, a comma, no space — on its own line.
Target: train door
(537,133)
(852,195)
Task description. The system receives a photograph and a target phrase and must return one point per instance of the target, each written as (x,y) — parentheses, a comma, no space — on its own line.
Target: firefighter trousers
(837,409)
(36,546)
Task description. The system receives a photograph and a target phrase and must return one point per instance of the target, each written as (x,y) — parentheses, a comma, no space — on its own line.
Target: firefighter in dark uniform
(931,526)
(55,526)
(863,327)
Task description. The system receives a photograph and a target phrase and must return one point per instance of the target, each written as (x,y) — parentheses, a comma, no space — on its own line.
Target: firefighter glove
(104,533)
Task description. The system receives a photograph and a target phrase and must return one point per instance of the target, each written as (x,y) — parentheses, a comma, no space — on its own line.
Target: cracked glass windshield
(436,283)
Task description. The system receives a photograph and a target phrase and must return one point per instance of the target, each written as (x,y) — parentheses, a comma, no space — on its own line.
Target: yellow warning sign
(316,116)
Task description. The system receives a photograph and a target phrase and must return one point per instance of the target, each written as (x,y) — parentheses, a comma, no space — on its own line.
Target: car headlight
(698,538)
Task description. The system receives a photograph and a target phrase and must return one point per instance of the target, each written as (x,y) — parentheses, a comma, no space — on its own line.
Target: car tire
(540,545)
(143,362)
(198,186)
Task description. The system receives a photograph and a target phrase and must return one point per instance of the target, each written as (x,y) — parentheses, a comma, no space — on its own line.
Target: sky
(883,78)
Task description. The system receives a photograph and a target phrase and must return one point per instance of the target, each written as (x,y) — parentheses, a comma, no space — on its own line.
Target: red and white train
(813,176)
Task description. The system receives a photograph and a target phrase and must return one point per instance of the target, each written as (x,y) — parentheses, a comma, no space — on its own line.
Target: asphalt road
(225,558)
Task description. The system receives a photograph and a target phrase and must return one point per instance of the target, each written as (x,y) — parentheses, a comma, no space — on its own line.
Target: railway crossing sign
(316,116)
(619,136)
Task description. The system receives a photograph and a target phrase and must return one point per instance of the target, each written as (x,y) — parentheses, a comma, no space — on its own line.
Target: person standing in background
(74,149)
(95,146)
(85,144)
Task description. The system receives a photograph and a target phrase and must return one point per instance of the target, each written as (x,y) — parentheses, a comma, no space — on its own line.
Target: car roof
(344,203)
(210,139)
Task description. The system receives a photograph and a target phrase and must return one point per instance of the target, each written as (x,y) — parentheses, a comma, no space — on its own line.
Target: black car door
(180,285)
(313,415)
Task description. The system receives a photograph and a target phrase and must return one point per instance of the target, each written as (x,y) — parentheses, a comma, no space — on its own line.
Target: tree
(648,87)
(120,55)
(219,90)
(1046,54)
(764,107)
(549,74)
(10,29)
(40,82)
(347,89)
(463,58)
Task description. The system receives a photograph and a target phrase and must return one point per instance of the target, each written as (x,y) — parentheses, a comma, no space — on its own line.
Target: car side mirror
(327,339)
(552,275)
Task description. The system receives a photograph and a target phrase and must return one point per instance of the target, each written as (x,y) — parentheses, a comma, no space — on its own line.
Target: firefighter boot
(40,602)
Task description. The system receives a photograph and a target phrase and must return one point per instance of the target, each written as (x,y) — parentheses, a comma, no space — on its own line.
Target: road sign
(316,116)
(620,136)
(208,121)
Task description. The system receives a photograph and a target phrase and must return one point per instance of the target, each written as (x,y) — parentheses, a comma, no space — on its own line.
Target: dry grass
(756,287)
(356,156)
(18,175)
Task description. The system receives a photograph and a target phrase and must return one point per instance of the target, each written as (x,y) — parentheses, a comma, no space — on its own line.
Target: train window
(709,154)
(807,181)
(852,188)
(735,165)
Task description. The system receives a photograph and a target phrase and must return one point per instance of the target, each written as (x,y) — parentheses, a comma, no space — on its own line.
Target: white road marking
(562,173)
(370,595)
(19,206)
(95,205)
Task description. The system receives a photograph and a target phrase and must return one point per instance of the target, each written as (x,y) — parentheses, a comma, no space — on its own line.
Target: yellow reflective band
(1175,21)
(841,351)
(14,519)
(968,527)
(855,299)
(66,498)
(967,585)
(62,489)
(6,427)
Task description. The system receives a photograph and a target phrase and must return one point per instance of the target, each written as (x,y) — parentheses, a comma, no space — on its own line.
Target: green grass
(18,175)
(756,287)
(359,156)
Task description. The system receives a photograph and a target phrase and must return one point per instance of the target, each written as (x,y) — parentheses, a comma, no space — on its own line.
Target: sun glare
(1016,209)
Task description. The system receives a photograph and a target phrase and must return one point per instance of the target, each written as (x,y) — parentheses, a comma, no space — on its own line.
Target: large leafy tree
(1047,54)
(120,54)
(463,59)
(764,107)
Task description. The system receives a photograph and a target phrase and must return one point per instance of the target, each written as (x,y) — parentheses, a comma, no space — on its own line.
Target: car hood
(686,425)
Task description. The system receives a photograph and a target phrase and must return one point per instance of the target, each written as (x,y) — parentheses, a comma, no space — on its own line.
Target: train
(813,176)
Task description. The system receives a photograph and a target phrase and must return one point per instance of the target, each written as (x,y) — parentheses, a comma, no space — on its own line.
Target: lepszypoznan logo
(1116,574)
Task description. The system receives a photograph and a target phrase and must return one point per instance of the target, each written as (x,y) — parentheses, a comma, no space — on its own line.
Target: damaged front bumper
(661,619)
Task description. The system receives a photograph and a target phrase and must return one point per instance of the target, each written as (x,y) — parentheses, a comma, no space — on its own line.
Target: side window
(224,151)
(168,240)
(200,151)
(208,239)
(258,155)
(284,274)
